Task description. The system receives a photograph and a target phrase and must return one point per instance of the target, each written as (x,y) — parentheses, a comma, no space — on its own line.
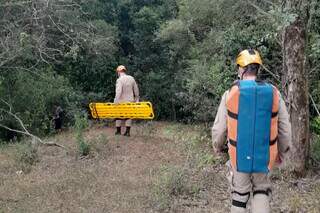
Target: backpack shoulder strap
(235,83)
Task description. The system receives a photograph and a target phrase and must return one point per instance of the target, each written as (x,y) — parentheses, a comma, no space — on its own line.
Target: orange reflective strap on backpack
(274,129)
(232,122)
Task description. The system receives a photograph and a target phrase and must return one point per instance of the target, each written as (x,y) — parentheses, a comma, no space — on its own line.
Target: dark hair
(252,69)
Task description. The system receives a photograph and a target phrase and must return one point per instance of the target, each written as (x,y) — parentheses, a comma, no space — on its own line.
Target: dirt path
(116,178)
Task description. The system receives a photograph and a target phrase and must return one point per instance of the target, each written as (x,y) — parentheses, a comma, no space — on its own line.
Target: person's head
(248,64)
(121,69)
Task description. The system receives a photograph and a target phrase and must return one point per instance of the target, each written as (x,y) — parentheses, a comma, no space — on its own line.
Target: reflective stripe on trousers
(242,184)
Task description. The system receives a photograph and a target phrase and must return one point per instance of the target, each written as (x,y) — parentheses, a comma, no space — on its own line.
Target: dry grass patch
(116,177)
(125,174)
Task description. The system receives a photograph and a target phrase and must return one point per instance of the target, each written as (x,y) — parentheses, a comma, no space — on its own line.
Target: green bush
(26,155)
(171,182)
(204,159)
(315,125)
(315,149)
(315,141)
(101,139)
(32,97)
(98,143)
(81,123)
(84,148)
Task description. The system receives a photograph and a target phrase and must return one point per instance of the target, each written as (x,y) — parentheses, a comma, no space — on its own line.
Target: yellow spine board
(140,110)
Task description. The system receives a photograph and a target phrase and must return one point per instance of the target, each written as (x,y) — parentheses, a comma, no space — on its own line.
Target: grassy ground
(163,167)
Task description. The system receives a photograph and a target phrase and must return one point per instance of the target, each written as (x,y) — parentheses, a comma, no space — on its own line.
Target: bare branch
(258,8)
(269,2)
(314,69)
(21,4)
(314,104)
(42,58)
(25,131)
(17,118)
(33,136)
(14,130)
(271,73)
(61,29)
(6,103)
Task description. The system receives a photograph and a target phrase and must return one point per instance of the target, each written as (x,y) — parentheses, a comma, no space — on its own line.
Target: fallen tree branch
(36,138)
(25,131)
(52,144)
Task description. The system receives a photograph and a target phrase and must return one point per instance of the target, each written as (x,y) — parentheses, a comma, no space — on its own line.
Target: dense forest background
(181,52)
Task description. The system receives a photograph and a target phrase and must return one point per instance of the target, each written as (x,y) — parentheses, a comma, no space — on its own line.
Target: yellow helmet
(247,57)
(121,68)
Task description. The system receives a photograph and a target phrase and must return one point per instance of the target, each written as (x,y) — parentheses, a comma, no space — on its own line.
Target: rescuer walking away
(252,116)
(126,91)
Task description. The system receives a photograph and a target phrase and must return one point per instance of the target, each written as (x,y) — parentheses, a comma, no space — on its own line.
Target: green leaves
(315,125)
(32,96)
(281,17)
(181,52)
(81,123)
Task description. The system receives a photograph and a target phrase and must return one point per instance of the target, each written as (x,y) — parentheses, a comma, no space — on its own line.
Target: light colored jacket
(126,89)
(219,129)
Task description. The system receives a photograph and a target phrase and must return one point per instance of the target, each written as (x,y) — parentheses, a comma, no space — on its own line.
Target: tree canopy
(181,52)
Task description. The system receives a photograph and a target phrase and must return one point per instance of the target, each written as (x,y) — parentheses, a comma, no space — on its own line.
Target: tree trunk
(295,85)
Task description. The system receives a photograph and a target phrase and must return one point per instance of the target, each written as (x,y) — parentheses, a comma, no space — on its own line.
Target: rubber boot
(260,203)
(118,132)
(127,133)
(239,205)
(235,209)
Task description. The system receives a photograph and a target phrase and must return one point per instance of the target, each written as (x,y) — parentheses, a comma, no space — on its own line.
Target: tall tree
(295,81)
